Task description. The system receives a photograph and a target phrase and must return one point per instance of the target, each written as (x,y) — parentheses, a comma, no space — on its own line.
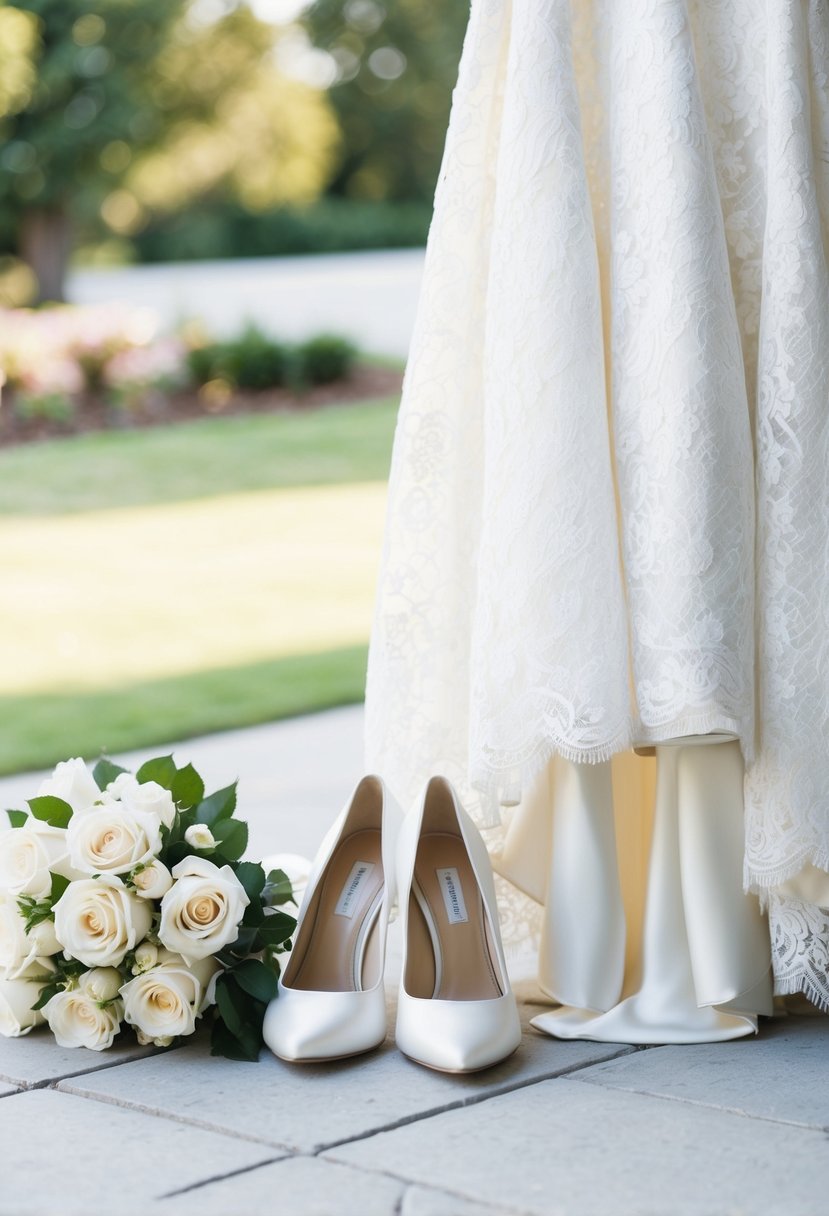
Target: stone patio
(576,1128)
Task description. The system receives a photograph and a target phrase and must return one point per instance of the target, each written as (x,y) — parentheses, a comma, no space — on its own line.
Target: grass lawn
(162,583)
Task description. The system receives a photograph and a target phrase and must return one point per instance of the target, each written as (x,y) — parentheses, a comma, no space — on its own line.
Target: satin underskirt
(651,939)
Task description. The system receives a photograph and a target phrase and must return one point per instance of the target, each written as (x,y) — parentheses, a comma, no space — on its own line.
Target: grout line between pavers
(54,1082)
(245,1169)
(469,1100)
(171,1117)
(726,1110)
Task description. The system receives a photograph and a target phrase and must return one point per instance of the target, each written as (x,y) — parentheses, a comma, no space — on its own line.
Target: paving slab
(424,1201)
(781,1074)
(302,1186)
(35,1059)
(305,1107)
(62,1153)
(563,1148)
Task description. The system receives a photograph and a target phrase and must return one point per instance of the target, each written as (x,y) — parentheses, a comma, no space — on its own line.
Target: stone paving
(561,1128)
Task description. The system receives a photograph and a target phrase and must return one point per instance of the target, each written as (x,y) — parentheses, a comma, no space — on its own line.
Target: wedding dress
(608,521)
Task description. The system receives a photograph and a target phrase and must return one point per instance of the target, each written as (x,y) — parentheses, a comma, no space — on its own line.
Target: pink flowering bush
(50,356)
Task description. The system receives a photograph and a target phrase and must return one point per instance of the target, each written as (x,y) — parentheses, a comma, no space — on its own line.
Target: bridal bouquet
(124,899)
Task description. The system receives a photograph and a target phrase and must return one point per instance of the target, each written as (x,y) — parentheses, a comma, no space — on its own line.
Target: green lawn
(168,582)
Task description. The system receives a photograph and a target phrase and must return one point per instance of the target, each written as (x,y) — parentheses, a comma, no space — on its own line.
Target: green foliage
(51,810)
(220,228)
(88,90)
(256,361)
(105,772)
(397,65)
(17,818)
(50,406)
(326,358)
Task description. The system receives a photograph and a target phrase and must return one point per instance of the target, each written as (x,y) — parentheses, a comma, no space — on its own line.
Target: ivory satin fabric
(608,514)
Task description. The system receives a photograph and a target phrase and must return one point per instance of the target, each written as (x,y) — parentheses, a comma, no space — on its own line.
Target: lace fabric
(608,513)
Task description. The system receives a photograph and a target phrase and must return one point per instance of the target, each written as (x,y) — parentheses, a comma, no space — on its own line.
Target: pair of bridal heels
(456,1011)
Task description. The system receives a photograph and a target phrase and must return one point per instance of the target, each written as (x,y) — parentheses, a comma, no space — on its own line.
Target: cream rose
(26,857)
(200,914)
(165,1002)
(18,949)
(101,983)
(76,1019)
(73,782)
(97,920)
(153,881)
(146,956)
(144,797)
(17,997)
(199,836)
(112,840)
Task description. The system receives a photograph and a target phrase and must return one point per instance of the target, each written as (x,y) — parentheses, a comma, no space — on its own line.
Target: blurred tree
(110,109)
(396,65)
(84,68)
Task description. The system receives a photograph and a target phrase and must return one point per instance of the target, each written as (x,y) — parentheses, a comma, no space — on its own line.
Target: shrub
(50,407)
(325,358)
(255,361)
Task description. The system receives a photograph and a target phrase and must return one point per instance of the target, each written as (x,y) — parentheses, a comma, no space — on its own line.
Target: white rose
(77,1020)
(18,949)
(17,997)
(153,881)
(199,836)
(112,840)
(165,1002)
(146,956)
(73,782)
(101,983)
(26,857)
(200,914)
(97,920)
(144,797)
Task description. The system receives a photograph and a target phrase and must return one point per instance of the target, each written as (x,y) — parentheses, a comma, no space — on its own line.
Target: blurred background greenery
(144,130)
(189,537)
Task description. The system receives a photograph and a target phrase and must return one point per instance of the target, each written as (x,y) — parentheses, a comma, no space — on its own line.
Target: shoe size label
(450,885)
(356,881)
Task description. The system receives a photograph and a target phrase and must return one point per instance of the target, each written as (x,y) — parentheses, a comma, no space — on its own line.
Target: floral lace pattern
(620,359)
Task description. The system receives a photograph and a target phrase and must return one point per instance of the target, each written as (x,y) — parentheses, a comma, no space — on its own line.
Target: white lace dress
(609,503)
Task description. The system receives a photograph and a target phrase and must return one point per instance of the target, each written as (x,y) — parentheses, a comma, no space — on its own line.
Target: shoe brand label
(450,885)
(357,879)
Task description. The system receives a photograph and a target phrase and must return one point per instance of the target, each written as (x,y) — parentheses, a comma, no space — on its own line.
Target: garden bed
(73,370)
(158,407)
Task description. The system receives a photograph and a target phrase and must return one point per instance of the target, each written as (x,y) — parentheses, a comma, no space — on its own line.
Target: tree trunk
(45,242)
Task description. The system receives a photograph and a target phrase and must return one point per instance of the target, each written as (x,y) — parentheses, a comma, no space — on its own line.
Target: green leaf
(59,885)
(187,788)
(46,995)
(161,769)
(277,928)
(220,805)
(278,889)
(252,877)
(17,818)
(223,1043)
(231,1004)
(256,979)
(231,837)
(51,810)
(105,771)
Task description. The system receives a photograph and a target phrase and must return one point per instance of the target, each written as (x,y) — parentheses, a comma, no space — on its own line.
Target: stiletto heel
(331,1000)
(457,1012)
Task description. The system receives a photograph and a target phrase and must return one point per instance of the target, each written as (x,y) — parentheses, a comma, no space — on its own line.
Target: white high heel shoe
(331,1000)
(457,1012)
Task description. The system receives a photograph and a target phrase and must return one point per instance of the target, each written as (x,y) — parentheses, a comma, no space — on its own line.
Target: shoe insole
(447,903)
(341,944)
